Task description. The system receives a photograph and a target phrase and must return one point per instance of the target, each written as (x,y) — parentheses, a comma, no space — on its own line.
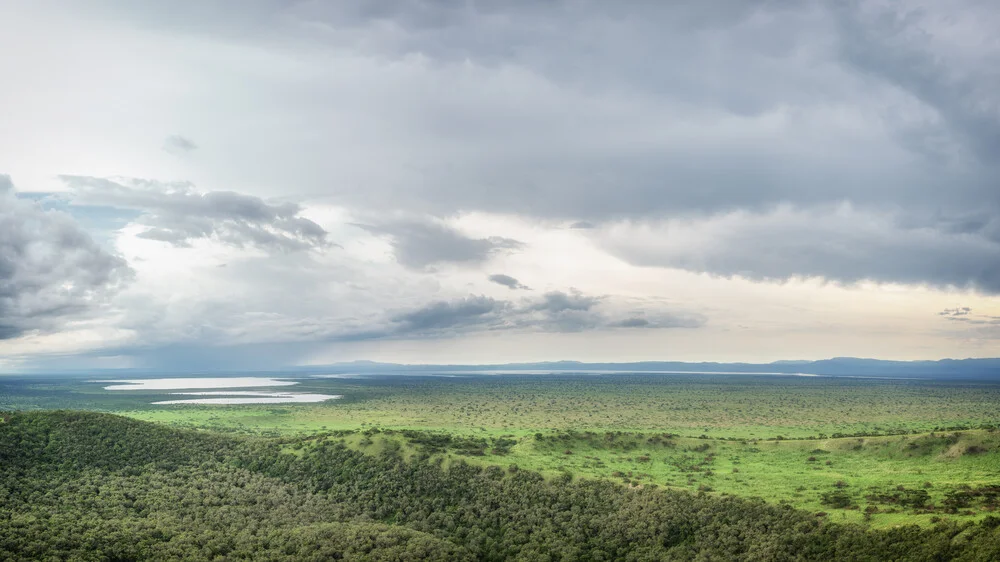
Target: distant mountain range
(839,366)
(945,369)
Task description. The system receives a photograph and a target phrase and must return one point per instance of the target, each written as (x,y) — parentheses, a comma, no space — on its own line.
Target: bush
(838,499)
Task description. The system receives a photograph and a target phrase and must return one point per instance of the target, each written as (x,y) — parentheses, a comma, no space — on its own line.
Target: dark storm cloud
(914,49)
(919,73)
(176,144)
(51,271)
(178,214)
(802,56)
(418,244)
(676,113)
(508,281)
(842,245)
(809,56)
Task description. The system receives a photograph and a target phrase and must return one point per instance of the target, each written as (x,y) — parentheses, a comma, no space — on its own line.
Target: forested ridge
(101,487)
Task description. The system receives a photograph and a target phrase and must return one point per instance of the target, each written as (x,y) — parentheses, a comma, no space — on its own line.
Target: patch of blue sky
(100,221)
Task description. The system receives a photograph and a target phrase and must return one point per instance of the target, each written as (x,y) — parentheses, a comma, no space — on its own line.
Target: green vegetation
(879,454)
(878,478)
(740,406)
(101,487)
(751,407)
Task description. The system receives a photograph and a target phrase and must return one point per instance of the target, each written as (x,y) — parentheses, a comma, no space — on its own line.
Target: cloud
(882,105)
(958,311)
(930,52)
(441,315)
(508,281)
(420,243)
(51,271)
(177,145)
(981,327)
(558,301)
(556,311)
(965,315)
(454,108)
(178,214)
(633,323)
(849,141)
(842,244)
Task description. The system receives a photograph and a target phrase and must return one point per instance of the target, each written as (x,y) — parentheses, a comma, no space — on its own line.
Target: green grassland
(885,452)
(750,407)
(90,486)
(884,481)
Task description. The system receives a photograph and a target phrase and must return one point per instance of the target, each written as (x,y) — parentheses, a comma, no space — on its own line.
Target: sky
(206,184)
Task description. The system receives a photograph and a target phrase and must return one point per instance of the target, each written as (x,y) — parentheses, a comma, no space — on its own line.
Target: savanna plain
(910,466)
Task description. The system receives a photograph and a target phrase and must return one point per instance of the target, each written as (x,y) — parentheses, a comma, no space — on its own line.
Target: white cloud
(51,271)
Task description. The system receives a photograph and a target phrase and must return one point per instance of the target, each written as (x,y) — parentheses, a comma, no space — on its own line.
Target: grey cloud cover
(443,315)
(420,243)
(558,301)
(616,111)
(919,48)
(766,53)
(51,270)
(555,311)
(840,244)
(178,214)
(846,141)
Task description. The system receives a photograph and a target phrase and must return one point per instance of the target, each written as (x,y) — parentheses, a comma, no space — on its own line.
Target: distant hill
(944,369)
(950,369)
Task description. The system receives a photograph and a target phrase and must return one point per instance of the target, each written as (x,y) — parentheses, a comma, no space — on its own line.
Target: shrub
(837,499)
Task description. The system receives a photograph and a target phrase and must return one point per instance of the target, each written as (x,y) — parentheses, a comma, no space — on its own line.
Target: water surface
(237,397)
(199,382)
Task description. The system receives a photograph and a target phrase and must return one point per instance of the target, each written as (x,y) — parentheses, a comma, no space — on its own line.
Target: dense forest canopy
(103,487)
